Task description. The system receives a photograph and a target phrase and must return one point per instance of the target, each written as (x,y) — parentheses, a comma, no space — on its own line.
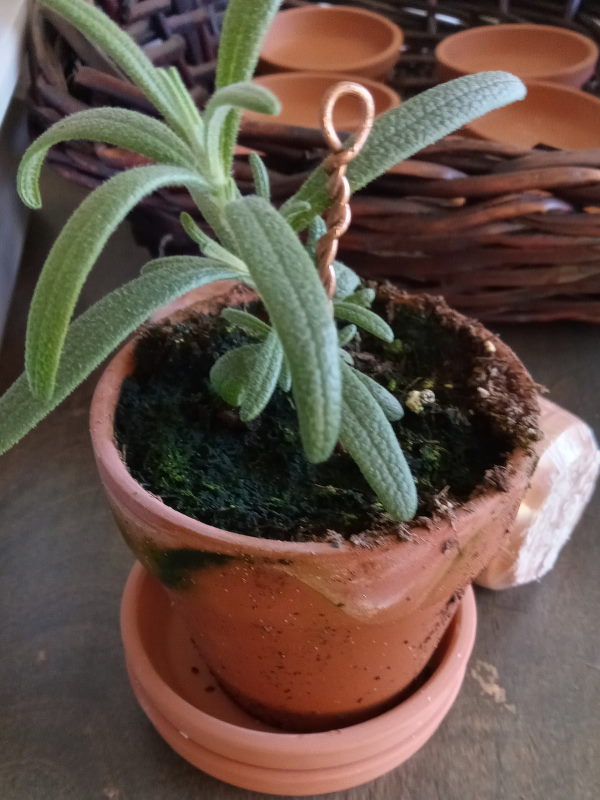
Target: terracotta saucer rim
(593,51)
(450,671)
(286,782)
(365,63)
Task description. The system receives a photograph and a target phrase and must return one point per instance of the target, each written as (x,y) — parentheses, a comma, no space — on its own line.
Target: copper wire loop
(339,215)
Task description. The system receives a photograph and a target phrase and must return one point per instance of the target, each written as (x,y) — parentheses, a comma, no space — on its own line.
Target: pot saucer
(202,724)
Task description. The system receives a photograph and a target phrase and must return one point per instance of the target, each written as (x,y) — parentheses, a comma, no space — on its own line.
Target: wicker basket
(505,234)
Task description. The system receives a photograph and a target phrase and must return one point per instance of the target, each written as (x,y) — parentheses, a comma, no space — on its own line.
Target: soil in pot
(185,445)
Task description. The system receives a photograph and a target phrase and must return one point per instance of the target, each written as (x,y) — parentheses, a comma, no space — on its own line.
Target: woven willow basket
(505,234)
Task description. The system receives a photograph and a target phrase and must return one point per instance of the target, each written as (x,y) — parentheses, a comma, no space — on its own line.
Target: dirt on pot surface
(465,411)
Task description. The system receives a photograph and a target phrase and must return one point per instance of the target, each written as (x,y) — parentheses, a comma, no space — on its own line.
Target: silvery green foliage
(96,333)
(299,348)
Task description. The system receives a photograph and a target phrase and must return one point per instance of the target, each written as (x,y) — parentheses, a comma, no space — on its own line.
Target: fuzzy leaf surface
(316,229)
(346,334)
(362,297)
(262,183)
(230,374)
(363,318)
(110,39)
(245,96)
(239,47)
(285,376)
(71,258)
(370,440)
(263,378)
(116,126)
(240,96)
(418,122)
(94,334)
(293,210)
(247,322)
(289,286)
(208,246)
(346,281)
(391,407)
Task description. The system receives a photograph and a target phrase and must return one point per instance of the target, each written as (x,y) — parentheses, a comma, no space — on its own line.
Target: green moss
(173,567)
(185,445)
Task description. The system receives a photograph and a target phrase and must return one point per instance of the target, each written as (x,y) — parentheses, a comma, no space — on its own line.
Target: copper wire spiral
(339,215)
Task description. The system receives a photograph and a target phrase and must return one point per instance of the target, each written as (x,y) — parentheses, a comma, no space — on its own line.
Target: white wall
(13,15)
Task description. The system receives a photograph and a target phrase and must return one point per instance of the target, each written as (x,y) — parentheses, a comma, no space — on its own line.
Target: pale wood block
(560,489)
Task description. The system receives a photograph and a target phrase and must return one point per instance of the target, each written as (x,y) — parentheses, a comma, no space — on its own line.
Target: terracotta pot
(301,94)
(532,52)
(306,635)
(191,712)
(332,39)
(550,115)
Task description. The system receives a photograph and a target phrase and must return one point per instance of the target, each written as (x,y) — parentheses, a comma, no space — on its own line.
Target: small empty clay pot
(301,94)
(532,52)
(551,115)
(332,39)
(192,713)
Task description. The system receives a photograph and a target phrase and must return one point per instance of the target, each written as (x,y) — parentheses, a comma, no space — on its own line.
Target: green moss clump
(184,444)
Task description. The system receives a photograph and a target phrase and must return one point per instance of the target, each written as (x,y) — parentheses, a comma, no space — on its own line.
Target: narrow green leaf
(208,246)
(289,286)
(72,257)
(237,96)
(248,322)
(116,126)
(199,261)
(230,374)
(391,407)
(370,440)
(294,210)
(93,335)
(180,95)
(211,209)
(285,376)
(362,297)
(346,334)
(263,378)
(241,39)
(345,355)
(346,281)
(316,230)
(364,318)
(108,37)
(246,96)
(418,122)
(262,183)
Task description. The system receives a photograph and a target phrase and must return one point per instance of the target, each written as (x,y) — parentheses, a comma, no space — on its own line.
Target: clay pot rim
(560,87)
(475,128)
(150,506)
(366,63)
(182,713)
(587,61)
(369,83)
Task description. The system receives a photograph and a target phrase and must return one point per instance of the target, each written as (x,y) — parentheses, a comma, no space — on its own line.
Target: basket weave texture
(505,234)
